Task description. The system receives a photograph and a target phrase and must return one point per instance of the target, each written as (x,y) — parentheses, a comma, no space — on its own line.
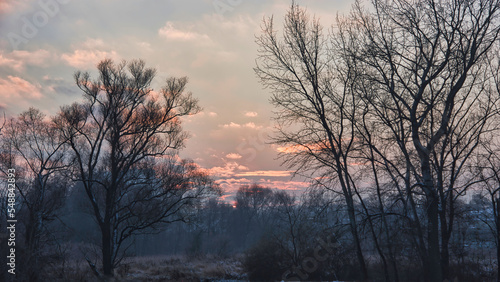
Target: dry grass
(158,268)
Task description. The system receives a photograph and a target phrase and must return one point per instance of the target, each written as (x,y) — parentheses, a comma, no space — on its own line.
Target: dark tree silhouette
(124,140)
(403,86)
(33,147)
(316,108)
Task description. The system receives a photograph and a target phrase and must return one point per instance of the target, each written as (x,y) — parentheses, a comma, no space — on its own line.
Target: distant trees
(253,196)
(488,173)
(393,103)
(301,239)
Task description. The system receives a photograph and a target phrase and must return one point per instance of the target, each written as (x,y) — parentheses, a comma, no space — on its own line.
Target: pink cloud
(8,6)
(237,125)
(268,173)
(15,87)
(87,58)
(9,62)
(234,156)
(251,114)
(19,59)
(252,125)
(228,170)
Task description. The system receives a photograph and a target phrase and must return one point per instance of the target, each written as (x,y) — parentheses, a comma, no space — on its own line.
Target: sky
(212,42)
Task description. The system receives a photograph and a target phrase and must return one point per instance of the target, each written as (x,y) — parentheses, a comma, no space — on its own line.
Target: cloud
(234,156)
(266,173)
(251,114)
(174,34)
(90,52)
(293,149)
(9,6)
(8,62)
(232,125)
(17,88)
(19,59)
(196,117)
(93,43)
(252,125)
(237,125)
(87,58)
(228,170)
(145,46)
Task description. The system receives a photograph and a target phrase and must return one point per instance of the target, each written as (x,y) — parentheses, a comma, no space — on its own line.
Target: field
(158,268)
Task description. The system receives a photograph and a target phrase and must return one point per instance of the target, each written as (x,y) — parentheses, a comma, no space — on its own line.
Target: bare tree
(488,167)
(424,61)
(404,88)
(33,147)
(122,137)
(315,106)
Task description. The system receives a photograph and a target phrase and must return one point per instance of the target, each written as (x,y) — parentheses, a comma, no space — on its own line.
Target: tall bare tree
(311,89)
(122,137)
(404,87)
(486,168)
(425,63)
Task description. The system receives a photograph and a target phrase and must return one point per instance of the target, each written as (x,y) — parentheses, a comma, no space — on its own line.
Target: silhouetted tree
(33,147)
(424,68)
(405,86)
(123,137)
(316,106)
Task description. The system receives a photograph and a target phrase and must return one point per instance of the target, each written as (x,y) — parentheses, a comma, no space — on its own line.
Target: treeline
(278,236)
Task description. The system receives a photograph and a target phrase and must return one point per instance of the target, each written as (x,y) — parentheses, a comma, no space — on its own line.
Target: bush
(265,261)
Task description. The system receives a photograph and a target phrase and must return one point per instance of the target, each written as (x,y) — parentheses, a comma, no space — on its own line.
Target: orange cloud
(246,125)
(268,173)
(87,58)
(228,170)
(293,149)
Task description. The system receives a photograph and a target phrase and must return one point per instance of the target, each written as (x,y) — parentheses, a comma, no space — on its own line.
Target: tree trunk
(446,229)
(354,231)
(497,221)
(32,243)
(445,255)
(433,270)
(434,257)
(347,192)
(107,255)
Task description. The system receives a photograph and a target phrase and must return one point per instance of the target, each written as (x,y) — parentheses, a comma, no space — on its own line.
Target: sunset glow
(214,48)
